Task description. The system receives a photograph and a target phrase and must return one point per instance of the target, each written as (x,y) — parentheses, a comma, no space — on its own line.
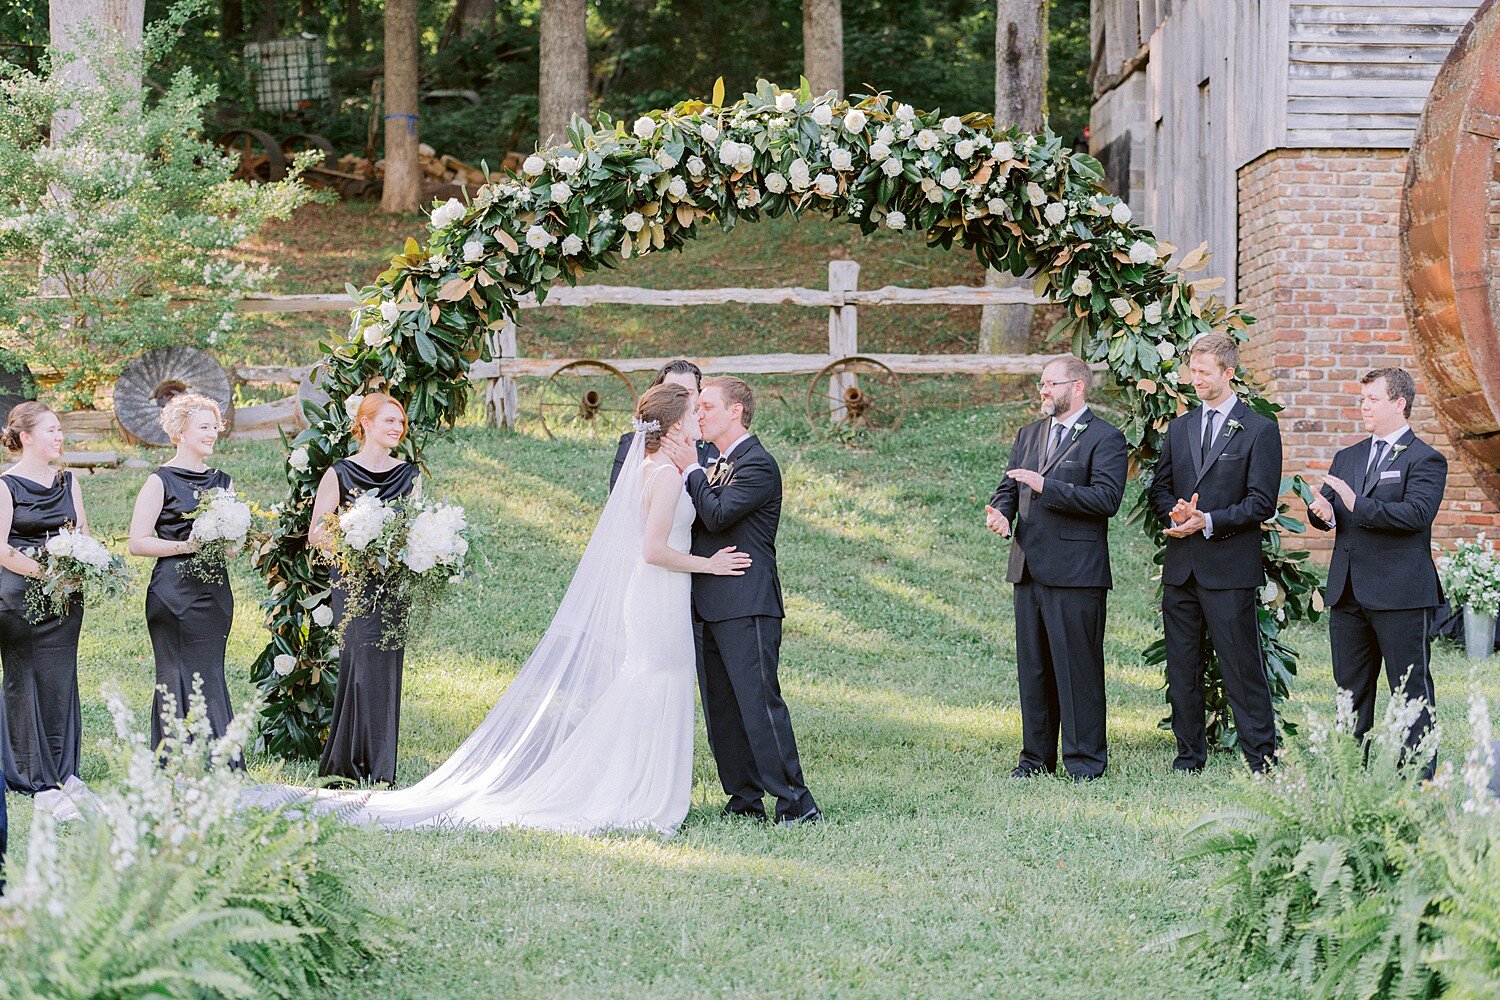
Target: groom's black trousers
(749,728)
(1060,666)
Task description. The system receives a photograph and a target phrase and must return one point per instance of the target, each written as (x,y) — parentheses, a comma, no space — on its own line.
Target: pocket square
(1391,474)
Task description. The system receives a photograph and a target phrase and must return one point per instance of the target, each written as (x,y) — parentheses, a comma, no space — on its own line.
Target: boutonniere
(1079,429)
(1397,449)
(720,473)
(1231,427)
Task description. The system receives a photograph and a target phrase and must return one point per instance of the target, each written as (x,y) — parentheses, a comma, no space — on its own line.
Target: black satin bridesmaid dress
(188,618)
(40,657)
(367,704)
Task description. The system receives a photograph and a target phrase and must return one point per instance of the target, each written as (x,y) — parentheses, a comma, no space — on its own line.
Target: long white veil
(582,651)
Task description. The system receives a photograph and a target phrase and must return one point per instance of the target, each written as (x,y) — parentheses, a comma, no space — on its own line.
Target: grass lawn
(935,875)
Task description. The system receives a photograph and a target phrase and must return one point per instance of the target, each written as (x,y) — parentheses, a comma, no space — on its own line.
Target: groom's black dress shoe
(759,815)
(1079,779)
(1027,771)
(809,818)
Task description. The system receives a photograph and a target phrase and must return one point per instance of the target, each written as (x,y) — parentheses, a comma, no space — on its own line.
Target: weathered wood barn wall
(1277,131)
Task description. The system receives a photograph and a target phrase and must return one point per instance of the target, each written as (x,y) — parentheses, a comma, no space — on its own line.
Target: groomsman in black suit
(678,372)
(1215,483)
(1379,498)
(738,619)
(1064,482)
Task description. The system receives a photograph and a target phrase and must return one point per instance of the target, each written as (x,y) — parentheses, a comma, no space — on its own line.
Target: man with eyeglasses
(1379,498)
(1064,482)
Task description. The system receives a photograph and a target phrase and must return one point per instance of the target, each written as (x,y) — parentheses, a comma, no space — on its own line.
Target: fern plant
(1323,875)
(169,887)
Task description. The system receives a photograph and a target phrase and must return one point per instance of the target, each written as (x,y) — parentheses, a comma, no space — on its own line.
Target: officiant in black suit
(1216,482)
(738,499)
(1064,482)
(679,372)
(1380,498)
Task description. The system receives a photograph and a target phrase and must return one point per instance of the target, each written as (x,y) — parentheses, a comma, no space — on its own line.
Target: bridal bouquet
(221,523)
(73,565)
(397,557)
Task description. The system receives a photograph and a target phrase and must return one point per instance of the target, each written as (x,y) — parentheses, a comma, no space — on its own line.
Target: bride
(596,731)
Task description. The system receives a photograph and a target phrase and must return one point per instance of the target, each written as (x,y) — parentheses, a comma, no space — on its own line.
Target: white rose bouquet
(221,523)
(398,557)
(73,566)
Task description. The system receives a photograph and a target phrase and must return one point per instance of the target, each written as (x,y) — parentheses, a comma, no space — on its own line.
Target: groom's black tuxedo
(738,501)
(1382,585)
(1059,563)
(1211,582)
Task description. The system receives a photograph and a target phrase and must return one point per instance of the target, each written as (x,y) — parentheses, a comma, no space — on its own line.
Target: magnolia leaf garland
(1021,202)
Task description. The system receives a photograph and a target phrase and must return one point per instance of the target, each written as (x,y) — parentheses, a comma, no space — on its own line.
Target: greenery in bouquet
(221,524)
(1471,576)
(397,558)
(74,566)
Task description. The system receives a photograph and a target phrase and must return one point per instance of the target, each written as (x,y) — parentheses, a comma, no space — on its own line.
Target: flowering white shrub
(1471,575)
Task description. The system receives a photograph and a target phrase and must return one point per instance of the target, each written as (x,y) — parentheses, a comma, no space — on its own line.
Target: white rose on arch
(964,148)
(891,167)
(1082,285)
(284,664)
(322,616)
(827,185)
(823,115)
(1055,213)
(785,101)
(389,311)
(926,139)
(560,192)
(634,222)
(1152,312)
(1121,214)
(1142,252)
(666,160)
(677,188)
(696,166)
(568,165)
(799,174)
(708,133)
(953,125)
(533,165)
(1120,307)
(841,160)
(571,245)
(645,127)
(1166,349)
(448,213)
(895,220)
(854,121)
(299,459)
(951,178)
(879,150)
(352,404)
(775,183)
(538,238)
(905,113)
(377,335)
(1004,151)
(473,251)
(1035,194)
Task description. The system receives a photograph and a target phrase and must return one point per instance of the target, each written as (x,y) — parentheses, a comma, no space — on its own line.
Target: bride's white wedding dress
(596,731)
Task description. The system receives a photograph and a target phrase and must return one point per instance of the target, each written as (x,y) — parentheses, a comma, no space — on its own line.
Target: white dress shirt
(1220,417)
(723,456)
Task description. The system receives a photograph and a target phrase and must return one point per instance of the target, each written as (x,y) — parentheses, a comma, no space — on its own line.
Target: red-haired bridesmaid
(367,705)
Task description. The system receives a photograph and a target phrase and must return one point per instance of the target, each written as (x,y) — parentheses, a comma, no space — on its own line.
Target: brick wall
(1320,269)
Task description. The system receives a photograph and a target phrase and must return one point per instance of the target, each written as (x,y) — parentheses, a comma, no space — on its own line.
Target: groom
(738,500)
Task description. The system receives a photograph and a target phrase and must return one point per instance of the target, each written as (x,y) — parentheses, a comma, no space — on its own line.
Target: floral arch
(1022,203)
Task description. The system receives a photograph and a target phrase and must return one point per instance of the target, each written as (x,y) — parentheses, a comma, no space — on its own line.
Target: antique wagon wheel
(586,397)
(150,380)
(261,158)
(16,383)
(300,142)
(855,394)
(1450,245)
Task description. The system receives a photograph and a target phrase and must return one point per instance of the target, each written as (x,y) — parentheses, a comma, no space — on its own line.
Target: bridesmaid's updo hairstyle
(176,414)
(664,404)
(369,409)
(24,419)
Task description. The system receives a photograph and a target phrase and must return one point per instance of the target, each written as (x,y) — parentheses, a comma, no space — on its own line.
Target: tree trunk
(267,23)
(77,30)
(1020,94)
(403,169)
(469,20)
(564,83)
(823,45)
(232,21)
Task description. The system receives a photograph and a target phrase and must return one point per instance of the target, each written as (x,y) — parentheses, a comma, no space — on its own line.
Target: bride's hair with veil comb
(662,405)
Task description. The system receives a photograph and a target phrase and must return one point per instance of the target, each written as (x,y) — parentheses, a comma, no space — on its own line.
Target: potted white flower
(1471,579)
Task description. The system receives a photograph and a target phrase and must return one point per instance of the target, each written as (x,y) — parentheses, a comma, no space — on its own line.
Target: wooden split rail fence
(842,298)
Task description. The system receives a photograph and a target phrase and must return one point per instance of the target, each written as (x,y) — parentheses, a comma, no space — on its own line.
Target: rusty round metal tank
(1450,244)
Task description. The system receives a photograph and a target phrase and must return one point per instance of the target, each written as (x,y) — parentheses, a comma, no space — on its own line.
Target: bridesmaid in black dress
(40,657)
(367,705)
(188,618)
